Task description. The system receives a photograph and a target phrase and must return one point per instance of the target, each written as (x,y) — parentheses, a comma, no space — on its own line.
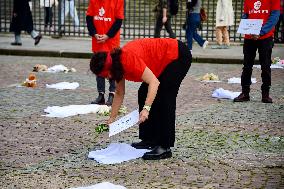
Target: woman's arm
(117,101)
(153,85)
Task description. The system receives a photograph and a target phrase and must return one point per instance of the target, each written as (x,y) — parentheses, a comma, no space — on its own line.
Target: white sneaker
(205,44)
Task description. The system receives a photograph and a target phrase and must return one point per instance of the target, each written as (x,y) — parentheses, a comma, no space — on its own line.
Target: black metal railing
(139,19)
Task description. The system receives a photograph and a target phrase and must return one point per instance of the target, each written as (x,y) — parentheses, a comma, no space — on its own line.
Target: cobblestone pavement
(219,144)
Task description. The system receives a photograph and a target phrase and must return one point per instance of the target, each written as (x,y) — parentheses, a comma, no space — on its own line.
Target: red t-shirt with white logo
(104,13)
(155,53)
(261,9)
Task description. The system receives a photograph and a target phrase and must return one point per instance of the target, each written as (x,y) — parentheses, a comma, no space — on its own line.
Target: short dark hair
(97,62)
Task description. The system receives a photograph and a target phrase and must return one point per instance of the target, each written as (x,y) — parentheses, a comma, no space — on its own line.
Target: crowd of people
(160,63)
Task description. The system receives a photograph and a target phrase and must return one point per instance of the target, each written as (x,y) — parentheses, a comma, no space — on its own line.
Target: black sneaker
(37,39)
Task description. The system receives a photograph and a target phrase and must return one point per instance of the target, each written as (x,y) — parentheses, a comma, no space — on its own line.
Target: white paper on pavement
(250,26)
(71,110)
(238,80)
(63,85)
(103,185)
(116,153)
(273,66)
(124,123)
(57,68)
(221,93)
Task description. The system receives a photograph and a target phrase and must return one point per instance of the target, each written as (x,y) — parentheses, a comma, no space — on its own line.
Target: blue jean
(101,85)
(193,22)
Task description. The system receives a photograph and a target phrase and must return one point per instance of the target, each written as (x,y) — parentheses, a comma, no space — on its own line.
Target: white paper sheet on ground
(63,85)
(71,110)
(250,26)
(57,68)
(124,123)
(273,66)
(116,153)
(238,80)
(221,93)
(103,185)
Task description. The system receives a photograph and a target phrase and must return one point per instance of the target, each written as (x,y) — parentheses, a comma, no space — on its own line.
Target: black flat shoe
(143,145)
(16,44)
(158,153)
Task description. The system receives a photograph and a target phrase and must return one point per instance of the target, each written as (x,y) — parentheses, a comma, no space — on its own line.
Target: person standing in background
(269,12)
(22,20)
(68,6)
(48,14)
(193,22)
(278,27)
(104,19)
(163,18)
(224,18)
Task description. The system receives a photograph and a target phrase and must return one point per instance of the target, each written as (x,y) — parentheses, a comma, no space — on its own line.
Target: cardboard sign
(124,123)
(250,26)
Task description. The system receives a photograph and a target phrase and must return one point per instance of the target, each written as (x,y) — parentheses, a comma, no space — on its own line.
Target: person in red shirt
(268,11)
(104,19)
(160,64)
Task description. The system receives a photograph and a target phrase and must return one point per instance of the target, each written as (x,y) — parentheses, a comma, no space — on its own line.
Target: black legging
(159,129)
(48,16)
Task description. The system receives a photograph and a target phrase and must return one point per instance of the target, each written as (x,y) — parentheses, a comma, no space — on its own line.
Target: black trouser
(159,25)
(264,48)
(48,16)
(277,28)
(160,126)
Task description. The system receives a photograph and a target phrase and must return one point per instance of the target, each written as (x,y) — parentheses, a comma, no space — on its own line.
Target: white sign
(124,123)
(250,26)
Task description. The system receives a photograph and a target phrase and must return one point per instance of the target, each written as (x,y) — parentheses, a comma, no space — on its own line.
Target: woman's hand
(255,37)
(102,38)
(110,120)
(143,115)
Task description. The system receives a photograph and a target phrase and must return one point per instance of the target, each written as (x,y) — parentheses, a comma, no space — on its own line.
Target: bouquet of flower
(210,77)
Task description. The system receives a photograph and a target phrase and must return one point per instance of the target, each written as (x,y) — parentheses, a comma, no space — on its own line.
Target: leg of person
(18,41)
(219,36)
(265,51)
(111,92)
(164,106)
(169,29)
(50,19)
(189,31)
(101,90)
(158,26)
(146,129)
(226,37)
(249,50)
(196,22)
(46,17)
(64,10)
(74,14)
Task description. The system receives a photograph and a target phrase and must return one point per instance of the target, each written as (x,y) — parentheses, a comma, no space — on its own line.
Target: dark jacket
(160,6)
(23,19)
